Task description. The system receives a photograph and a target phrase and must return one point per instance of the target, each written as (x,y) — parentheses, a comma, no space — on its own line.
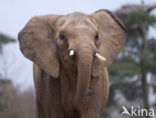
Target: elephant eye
(97,40)
(62,37)
(96,37)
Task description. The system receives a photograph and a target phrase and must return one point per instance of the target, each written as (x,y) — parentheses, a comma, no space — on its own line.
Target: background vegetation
(132,73)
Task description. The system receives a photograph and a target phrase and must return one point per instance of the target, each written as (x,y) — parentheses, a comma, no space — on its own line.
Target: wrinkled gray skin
(71,86)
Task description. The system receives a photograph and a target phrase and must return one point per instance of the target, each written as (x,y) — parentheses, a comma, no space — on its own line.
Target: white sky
(16,13)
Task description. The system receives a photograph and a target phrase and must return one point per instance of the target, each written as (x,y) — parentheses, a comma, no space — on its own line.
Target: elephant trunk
(85,58)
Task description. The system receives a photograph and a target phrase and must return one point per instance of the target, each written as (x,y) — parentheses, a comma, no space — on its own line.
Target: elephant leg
(39,110)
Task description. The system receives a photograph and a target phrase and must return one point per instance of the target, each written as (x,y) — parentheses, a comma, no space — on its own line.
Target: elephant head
(74,40)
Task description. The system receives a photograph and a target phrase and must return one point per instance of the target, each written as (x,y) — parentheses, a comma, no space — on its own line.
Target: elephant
(70,54)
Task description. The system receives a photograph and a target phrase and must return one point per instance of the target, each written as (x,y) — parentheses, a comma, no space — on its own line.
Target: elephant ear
(111,32)
(37,43)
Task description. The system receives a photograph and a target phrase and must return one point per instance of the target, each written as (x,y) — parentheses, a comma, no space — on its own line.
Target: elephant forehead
(86,24)
(76,20)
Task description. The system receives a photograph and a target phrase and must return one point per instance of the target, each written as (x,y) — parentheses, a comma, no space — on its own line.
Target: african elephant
(70,54)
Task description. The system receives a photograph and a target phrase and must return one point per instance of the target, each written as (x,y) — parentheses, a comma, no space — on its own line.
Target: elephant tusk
(71,53)
(100,57)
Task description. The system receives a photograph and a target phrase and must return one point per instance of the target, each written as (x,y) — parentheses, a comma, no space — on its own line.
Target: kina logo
(137,111)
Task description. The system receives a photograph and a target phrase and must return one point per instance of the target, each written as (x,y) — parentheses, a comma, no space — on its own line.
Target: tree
(4,39)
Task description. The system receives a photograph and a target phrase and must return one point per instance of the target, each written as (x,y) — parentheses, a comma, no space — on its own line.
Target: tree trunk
(144,85)
(143,67)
